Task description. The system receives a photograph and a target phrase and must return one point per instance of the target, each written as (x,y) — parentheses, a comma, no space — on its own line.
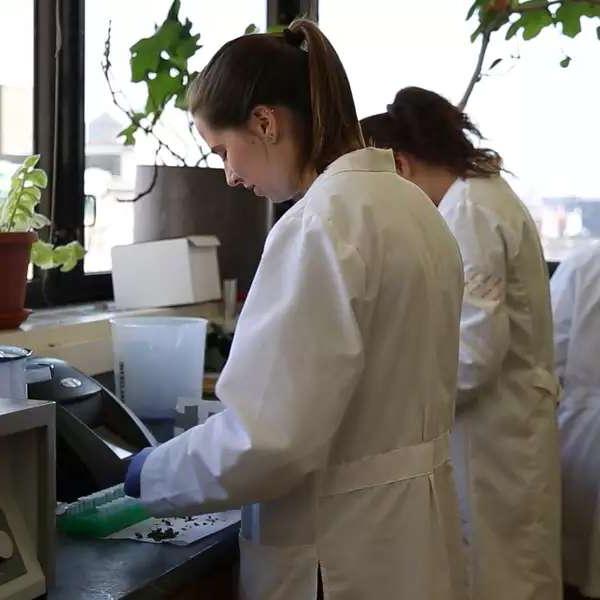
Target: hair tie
(294,38)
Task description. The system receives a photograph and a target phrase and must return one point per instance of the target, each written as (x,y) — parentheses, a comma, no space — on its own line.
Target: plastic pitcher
(157,360)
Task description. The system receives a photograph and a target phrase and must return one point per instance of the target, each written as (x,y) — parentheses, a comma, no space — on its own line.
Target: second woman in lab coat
(339,389)
(505,444)
(575,288)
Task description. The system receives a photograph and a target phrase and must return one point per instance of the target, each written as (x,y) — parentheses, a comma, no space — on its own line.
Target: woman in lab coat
(339,389)
(575,288)
(504,445)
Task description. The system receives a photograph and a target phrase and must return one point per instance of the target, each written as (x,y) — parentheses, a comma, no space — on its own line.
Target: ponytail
(299,70)
(335,126)
(428,127)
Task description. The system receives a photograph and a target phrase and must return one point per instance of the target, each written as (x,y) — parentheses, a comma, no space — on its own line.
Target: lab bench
(92,569)
(88,569)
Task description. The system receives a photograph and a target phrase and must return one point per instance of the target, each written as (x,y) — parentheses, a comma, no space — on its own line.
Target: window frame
(59,83)
(59,137)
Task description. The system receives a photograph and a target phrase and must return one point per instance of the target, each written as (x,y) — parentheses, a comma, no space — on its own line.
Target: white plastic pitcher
(157,360)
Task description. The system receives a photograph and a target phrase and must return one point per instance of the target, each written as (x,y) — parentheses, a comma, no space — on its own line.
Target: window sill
(81,334)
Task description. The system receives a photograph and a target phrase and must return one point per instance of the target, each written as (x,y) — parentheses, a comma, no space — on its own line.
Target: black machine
(96,434)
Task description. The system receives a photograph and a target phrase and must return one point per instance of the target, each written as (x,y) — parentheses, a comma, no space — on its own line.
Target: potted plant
(174,197)
(19,241)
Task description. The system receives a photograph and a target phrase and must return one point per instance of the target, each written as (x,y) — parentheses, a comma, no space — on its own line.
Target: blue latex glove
(134,473)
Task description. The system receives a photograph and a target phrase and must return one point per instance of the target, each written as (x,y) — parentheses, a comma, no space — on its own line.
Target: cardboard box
(166,272)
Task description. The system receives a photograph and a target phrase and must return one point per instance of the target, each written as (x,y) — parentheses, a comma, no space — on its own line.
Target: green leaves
(128,134)
(37,177)
(42,255)
(533,16)
(570,12)
(162,89)
(489,21)
(161,62)
(492,14)
(67,256)
(475,6)
(47,256)
(565,62)
(31,161)
(531,22)
(17,213)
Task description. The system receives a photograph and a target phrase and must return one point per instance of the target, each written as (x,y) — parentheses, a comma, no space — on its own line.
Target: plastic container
(156,361)
(101,513)
(13,381)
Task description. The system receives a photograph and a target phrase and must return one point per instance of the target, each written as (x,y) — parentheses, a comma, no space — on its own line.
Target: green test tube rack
(101,513)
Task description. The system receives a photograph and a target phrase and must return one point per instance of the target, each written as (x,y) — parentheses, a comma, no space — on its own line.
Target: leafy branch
(161,63)
(138,120)
(530,17)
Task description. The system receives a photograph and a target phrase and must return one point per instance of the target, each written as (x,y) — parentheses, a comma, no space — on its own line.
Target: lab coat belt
(400,464)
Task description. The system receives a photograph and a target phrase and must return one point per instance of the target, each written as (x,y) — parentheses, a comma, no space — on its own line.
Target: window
(540,117)
(16,87)
(110,167)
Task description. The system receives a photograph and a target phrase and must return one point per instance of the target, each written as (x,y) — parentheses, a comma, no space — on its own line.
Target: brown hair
(428,127)
(299,70)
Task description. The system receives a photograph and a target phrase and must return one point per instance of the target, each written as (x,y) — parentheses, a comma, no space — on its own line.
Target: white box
(166,272)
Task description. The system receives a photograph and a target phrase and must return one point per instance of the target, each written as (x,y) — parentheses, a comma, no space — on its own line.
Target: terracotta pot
(15,249)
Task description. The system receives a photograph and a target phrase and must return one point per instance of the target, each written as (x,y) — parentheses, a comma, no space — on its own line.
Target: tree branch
(152,181)
(485,40)
(203,155)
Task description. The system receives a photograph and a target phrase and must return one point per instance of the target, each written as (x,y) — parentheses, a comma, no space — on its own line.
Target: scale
(27,498)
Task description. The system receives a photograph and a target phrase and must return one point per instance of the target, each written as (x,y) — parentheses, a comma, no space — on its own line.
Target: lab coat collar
(365,159)
(454,192)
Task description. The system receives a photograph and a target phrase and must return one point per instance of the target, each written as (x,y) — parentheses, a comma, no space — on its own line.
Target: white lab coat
(340,393)
(505,443)
(575,290)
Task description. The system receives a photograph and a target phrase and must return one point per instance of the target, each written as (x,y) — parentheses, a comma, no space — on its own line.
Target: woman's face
(262,156)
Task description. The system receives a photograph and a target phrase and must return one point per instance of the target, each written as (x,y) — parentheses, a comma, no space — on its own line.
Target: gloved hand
(134,473)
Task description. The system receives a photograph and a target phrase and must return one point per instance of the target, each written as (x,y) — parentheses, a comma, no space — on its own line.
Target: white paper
(179,531)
